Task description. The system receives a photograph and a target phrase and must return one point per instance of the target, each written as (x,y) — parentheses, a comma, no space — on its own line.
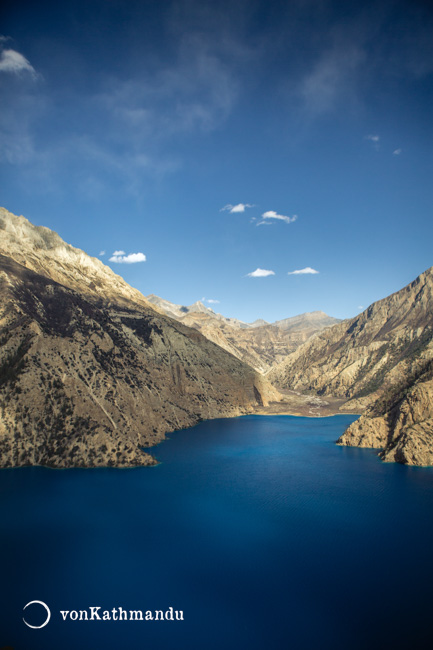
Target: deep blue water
(260,529)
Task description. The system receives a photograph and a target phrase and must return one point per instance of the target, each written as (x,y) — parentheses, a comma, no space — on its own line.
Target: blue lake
(260,529)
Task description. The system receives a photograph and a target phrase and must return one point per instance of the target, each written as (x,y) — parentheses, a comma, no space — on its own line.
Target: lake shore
(305,405)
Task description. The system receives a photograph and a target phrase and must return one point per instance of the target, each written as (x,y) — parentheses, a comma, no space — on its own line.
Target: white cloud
(14,62)
(260,273)
(120,258)
(210,300)
(271,214)
(373,138)
(396,152)
(239,207)
(361,307)
(307,270)
(102,253)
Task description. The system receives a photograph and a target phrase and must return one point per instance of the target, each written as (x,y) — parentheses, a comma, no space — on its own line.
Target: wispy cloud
(211,301)
(239,207)
(374,139)
(21,110)
(307,270)
(330,78)
(271,214)
(13,62)
(120,257)
(142,109)
(396,152)
(197,93)
(260,273)
(102,253)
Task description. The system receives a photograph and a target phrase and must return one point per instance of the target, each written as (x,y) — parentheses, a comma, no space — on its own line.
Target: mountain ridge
(381,353)
(91,371)
(88,377)
(347,359)
(44,251)
(260,344)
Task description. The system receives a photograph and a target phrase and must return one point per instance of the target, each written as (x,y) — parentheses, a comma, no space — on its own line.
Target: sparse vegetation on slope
(88,381)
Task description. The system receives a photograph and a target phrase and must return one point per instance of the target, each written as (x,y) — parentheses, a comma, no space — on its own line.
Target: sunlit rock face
(360,357)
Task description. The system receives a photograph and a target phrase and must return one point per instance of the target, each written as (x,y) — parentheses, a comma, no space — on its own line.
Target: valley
(92,372)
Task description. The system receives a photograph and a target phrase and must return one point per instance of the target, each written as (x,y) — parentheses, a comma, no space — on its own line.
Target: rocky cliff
(400,423)
(89,380)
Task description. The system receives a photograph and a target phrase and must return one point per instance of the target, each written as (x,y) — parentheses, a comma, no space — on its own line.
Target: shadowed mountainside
(86,380)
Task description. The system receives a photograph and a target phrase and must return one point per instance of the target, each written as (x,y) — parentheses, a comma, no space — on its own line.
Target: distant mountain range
(91,371)
(260,344)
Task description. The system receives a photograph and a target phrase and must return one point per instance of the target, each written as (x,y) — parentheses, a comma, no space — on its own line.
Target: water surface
(260,529)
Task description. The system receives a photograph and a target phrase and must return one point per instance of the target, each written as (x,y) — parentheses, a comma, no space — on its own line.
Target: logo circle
(38,602)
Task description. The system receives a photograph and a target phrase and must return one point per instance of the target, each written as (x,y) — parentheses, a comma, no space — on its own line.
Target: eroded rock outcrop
(400,423)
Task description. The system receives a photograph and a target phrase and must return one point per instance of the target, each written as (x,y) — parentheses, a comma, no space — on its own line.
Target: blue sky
(128,127)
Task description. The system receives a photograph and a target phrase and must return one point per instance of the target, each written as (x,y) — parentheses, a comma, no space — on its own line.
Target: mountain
(259,344)
(90,373)
(43,251)
(259,322)
(314,321)
(382,361)
(400,423)
(361,357)
(180,311)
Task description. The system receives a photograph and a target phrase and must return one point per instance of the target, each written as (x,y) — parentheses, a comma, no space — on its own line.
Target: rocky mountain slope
(400,423)
(361,357)
(259,344)
(180,311)
(89,381)
(382,361)
(43,251)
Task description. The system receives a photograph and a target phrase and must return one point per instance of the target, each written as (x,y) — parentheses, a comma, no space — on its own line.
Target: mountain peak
(318,319)
(42,250)
(198,306)
(259,322)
